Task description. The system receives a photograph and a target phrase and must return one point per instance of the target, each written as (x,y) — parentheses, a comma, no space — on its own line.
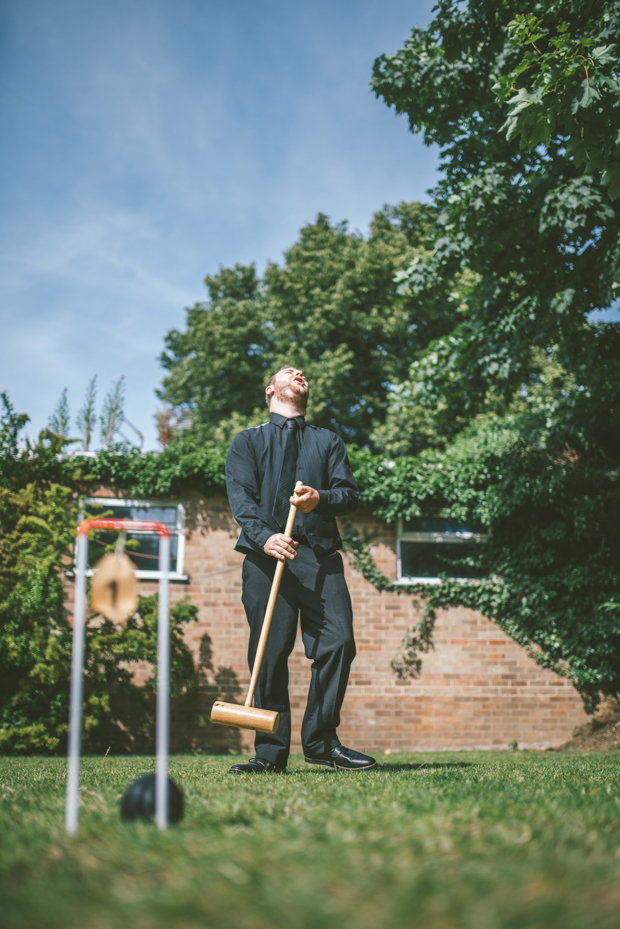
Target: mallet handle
(275,587)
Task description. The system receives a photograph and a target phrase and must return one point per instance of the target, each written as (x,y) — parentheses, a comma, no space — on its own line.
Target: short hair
(272,380)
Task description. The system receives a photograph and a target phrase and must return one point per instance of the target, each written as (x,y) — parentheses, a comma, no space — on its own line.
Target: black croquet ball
(138,801)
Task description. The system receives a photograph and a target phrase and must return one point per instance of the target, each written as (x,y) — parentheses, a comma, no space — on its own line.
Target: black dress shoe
(256,766)
(343,759)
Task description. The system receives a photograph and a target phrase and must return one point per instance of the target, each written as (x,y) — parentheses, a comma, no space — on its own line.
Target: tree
(11,424)
(164,420)
(59,420)
(112,413)
(522,396)
(565,83)
(333,308)
(86,416)
(530,214)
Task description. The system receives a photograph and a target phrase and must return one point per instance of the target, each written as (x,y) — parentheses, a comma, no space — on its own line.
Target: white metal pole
(163,685)
(77,676)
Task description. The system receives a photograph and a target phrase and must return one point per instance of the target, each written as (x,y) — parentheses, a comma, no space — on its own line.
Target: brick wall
(477,688)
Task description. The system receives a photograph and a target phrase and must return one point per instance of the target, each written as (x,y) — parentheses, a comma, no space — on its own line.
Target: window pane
(160,514)
(430,559)
(439,524)
(107,511)
(143,550)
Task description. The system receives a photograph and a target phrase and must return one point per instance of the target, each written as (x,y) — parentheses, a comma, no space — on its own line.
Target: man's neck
(285,409)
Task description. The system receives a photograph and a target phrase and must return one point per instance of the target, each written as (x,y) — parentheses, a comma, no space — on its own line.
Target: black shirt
(253,467)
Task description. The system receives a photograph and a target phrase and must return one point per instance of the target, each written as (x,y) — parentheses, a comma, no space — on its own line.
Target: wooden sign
(114,589)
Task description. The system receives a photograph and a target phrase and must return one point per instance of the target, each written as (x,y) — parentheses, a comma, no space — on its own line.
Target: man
(262,467)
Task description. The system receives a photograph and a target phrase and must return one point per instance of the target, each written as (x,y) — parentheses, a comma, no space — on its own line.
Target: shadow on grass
(413,766)
(387,766)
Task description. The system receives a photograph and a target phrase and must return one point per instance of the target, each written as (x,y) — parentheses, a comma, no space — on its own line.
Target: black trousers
(314,588)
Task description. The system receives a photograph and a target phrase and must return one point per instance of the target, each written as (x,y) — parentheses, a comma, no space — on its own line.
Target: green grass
(471,839)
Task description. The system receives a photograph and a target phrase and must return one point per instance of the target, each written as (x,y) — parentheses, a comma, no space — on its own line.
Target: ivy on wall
(418,640)
(39,490)
(552,560)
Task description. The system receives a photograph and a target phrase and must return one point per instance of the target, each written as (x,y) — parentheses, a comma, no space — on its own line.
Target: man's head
(288,387)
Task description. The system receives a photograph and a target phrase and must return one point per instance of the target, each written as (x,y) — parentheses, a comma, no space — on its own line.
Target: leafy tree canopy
(523,393)
(525,102)
(332,309)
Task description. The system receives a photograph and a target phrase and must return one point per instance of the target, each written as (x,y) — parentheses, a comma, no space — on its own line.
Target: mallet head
(244,717)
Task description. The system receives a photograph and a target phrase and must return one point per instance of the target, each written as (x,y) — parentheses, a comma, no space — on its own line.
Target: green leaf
(611,179)
(605,54)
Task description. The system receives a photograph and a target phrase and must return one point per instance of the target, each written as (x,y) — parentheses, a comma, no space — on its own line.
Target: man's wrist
(322,501)
(264,537)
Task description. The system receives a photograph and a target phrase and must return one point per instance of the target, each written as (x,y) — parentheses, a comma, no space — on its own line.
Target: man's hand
(306,499)
(280,546)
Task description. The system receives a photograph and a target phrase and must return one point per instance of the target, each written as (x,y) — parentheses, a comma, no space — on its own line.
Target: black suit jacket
(253,467)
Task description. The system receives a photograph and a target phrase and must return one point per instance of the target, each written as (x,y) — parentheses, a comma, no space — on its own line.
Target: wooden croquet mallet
(248,716)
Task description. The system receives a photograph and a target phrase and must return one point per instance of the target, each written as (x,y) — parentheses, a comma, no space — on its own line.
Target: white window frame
(179,531)
(436,538)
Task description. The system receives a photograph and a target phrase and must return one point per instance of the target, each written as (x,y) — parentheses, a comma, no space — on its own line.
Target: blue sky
(150,141)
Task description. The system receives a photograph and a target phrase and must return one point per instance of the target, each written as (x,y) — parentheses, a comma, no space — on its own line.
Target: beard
(292,392)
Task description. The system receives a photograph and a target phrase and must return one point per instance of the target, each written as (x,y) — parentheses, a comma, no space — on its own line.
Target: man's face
(290,384)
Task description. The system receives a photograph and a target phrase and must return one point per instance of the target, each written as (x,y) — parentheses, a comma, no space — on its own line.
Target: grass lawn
(469,839)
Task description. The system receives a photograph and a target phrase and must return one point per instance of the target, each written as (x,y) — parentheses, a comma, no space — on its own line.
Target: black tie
(286,483)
